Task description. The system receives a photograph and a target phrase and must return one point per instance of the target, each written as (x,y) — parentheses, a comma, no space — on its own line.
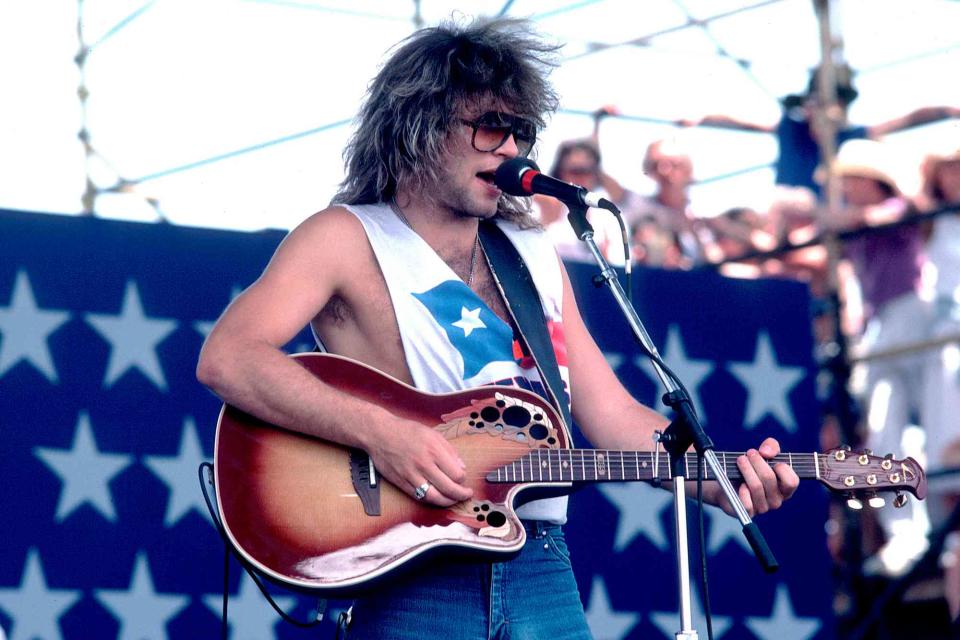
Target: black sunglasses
(491,130)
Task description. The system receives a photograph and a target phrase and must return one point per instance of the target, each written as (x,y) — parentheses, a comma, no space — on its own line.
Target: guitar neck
(601,465)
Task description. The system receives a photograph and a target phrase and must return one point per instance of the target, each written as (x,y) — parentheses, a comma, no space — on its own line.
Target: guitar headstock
(862,473)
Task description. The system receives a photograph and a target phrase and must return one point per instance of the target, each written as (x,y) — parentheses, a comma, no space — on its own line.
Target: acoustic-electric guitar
(316,515)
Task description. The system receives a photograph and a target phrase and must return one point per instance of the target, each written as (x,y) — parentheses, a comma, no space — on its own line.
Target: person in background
(579,162)
(888,267)
(941,189)
(792,218)
(799,153)
(664,230)
(739,232)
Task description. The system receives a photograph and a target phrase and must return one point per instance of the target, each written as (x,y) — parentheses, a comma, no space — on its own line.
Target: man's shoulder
(333,233)
(336,218)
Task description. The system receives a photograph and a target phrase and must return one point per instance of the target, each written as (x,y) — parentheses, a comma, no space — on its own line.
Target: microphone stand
(679,435)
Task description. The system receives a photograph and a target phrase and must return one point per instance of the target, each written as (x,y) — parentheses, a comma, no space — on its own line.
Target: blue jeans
(529,597)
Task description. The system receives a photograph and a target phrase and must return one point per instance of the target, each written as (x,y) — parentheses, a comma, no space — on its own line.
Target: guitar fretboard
(599,465)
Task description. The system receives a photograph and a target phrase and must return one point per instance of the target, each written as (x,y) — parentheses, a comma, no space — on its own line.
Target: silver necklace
(473,253)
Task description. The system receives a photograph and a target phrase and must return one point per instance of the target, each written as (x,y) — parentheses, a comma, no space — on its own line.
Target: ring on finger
(421,492)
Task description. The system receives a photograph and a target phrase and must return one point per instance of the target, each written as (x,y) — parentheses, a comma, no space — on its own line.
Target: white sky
(188,80)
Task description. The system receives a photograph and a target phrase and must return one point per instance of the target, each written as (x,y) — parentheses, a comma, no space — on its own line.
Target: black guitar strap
(523,303)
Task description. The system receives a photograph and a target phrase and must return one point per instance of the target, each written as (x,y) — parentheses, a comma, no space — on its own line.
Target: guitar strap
(523,303)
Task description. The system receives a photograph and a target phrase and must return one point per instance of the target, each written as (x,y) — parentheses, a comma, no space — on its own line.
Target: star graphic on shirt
(141,611)
(639,506)
(84,471)
(34,608)
(768,385)
(668,622)
(457,310)
(691,371)
(25,328)
(722,529)
(605,623)
(251,617)
(469,320)
(783,624)
(133,337)
(179,472)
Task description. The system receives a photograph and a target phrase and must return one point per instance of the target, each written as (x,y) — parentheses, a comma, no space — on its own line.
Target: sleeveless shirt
(451,339)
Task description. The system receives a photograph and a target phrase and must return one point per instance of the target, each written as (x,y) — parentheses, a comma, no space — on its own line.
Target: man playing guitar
(393,275)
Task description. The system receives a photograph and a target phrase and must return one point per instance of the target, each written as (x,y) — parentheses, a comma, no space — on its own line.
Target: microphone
(522,177)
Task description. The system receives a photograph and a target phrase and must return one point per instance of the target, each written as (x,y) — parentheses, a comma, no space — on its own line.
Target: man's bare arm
(610,418)
(241,361)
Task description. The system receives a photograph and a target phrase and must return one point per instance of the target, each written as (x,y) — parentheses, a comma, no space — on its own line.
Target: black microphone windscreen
(508,176)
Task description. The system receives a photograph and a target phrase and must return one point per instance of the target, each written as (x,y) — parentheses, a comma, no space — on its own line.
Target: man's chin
(481,212)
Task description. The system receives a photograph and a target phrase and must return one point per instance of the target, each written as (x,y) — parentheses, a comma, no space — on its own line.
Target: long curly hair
(413,102)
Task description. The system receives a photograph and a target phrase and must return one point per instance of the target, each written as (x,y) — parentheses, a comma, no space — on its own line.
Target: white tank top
(451,339)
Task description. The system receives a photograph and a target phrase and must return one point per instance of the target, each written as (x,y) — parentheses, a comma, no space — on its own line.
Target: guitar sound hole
(516,416)
(496,519)
(538,432)
(490,414)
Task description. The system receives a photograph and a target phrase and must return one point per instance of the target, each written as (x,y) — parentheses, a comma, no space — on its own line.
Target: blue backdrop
(104,531)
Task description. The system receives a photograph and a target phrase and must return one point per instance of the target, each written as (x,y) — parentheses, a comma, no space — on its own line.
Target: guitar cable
(228,550)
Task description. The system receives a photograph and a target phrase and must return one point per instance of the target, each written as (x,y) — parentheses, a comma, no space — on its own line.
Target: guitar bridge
(364,477)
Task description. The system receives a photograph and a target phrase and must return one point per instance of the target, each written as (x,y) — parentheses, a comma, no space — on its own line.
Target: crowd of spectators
(897,276)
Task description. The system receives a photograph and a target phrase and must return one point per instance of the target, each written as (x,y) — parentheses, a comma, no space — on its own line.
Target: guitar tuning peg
(846,447)
(853,502)
(889,456)
(900,500)
(875,501)
(869,452)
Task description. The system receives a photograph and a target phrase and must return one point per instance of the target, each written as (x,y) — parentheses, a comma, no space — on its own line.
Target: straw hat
(931,163)
(865,159)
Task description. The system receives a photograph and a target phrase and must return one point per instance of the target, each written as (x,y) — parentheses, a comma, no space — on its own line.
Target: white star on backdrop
(613,359)
(724,528)
(179,472)
(84,471)
(668,622)
(133,338)
(469,320)
(783,624)
(691,371)
(25,328)
(203,327)
(251,617)
(35,609)
(605,623)
(768,385)
(639,506)
(141,611)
